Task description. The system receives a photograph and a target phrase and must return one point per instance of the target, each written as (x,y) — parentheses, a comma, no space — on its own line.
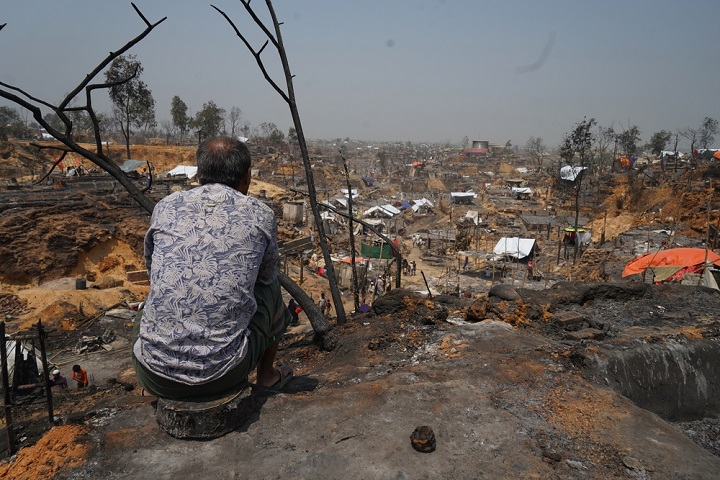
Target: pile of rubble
(88,344)
(11,306)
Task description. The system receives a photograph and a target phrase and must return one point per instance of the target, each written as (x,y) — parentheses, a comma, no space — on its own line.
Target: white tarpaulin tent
(423,202)
(27,351)
(463,197)
(387,210)
(514,247)
(346,193)
(570,173)
(519,190)
(131,165)
(474,216)
(188,171)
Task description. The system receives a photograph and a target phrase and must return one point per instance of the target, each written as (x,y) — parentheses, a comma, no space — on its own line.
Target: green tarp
(375,251)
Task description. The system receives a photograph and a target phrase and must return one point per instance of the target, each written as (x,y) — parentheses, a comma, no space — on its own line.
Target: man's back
(205,250)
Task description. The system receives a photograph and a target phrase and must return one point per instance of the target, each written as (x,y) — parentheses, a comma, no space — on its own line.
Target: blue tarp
(405,204)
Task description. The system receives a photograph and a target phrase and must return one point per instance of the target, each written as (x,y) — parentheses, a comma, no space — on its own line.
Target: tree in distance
(658,141)
(209,122)
(536,149)
(133,103)
(178,112)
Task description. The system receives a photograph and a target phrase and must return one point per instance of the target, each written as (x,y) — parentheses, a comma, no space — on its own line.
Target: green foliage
(11,124)
(209,121)
(133,103)
(269,132)
(707,132)
(578,142)
(54,121)
(292,136)
(628,140)
(659,140)
(178,111)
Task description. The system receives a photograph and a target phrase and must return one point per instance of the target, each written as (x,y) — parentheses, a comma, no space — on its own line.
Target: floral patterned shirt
(205,250)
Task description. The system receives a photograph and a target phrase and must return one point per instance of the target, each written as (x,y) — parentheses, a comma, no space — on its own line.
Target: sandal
(286,374)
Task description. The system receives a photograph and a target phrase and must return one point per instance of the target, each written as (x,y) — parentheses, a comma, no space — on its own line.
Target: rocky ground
(525,378)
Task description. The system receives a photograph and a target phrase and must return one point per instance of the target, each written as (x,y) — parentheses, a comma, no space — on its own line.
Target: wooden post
(46,373)
(426,284)
(6,392)
(559,249)
(302,267)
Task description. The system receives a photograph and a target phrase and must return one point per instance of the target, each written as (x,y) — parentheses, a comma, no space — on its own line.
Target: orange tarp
(717,154)
(674,257)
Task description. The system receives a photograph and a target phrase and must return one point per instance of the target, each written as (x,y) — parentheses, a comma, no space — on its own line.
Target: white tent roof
(514,247)
(420,203)
(463,194)
(521,190)
(345,193)
(372,221)
(474,216)
(570,173)
(189,171)
(387,210)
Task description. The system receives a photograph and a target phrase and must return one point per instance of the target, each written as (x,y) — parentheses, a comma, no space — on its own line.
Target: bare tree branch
(24,100)
(257,53)
(111,56)
(137,10)
(289,97)
(31,103)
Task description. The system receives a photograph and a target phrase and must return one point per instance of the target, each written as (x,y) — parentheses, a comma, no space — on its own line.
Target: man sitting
(214,312)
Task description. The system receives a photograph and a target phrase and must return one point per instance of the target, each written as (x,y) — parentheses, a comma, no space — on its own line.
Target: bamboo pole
(7,399)
(46,373)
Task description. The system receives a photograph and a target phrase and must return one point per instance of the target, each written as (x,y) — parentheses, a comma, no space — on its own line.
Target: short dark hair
(223,160)
(76,368)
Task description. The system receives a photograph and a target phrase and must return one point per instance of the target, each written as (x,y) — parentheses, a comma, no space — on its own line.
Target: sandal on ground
(286,374)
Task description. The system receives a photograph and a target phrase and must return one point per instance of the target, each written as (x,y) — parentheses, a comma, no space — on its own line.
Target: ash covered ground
(512,375)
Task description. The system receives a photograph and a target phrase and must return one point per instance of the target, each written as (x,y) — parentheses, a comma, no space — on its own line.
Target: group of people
(408,267)
(79,375)
(323,304)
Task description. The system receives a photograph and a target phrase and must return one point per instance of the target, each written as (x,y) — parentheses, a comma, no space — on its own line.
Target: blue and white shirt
(205,250)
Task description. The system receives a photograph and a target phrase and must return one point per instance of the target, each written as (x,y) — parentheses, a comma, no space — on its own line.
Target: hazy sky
(418,70)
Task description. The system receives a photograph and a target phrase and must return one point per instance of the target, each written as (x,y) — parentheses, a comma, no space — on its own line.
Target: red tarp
(674,257)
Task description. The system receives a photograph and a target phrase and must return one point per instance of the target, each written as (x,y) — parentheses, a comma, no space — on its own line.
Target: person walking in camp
(328,308)
(530,266)
(295,310)
(322,303)
(379,286)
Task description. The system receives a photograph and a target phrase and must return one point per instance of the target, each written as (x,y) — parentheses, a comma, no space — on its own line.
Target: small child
(80,376)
